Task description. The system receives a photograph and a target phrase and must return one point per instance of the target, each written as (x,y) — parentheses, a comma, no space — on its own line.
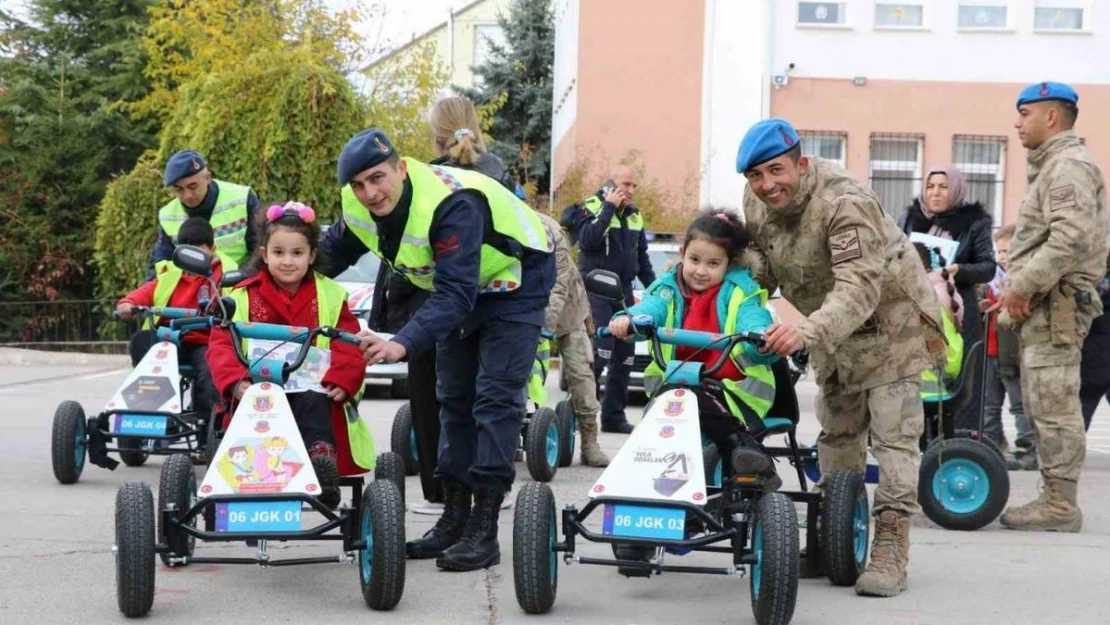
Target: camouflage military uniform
(1057,258)
(872,326)
(568,310)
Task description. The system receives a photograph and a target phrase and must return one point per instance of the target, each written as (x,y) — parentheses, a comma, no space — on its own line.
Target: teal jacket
(752,316)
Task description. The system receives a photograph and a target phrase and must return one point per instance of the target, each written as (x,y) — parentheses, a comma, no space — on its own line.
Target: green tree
(520,72)
(60,137)
(401,89)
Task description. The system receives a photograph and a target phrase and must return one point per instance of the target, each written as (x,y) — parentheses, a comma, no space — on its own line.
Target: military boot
(591,454)
(449,528)
(1056,510)
(885,575)
(478,548)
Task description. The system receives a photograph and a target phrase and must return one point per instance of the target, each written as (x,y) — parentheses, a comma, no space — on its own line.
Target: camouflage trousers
(576,358)
(1050,391)
(895,418)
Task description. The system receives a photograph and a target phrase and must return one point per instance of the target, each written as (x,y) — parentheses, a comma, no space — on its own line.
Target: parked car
(359,280)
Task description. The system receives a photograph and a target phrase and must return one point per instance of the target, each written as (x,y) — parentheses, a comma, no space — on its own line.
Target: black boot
(450,526)
(478,547)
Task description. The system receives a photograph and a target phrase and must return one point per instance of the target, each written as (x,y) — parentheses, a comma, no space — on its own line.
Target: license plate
(140,424)
(258,517)
(644,522)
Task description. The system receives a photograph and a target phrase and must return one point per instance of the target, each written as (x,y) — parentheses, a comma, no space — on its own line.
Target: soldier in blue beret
(1055,263)
(488,262)
(871,324)
(226,206)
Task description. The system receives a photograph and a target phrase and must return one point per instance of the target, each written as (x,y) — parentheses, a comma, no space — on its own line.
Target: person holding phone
(610,234)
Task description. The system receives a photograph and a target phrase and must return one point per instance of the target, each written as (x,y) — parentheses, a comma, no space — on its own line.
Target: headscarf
(957,185)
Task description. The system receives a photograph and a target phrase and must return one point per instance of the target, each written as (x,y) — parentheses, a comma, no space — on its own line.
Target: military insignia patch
(1062,197)
(381,146)
(196,165)
(845,246)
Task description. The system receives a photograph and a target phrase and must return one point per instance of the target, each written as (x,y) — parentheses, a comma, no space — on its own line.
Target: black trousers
(1090,395)
(425,421)
(204,390)
(716,421)
(312,411)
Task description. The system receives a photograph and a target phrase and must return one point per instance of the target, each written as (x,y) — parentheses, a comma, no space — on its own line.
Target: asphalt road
(56,564)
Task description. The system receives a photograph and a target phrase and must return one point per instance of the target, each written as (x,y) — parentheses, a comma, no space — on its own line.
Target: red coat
(187,294)
(270,304)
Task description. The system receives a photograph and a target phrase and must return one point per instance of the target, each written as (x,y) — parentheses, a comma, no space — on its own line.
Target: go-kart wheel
(963,484)
(177,485)
(381,561)
(535,561)
(402,440)
(213,435)
(714,468)
(391,468)
(68,442)
(845,529)
(541,445)
(134,549)
(975,436)
(568,434)
(399,389)
(774,576)
(131,451)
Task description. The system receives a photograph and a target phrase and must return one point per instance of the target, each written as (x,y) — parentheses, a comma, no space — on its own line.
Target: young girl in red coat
(284,291)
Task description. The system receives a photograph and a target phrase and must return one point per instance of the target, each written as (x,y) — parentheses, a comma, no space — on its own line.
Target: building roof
(422,36)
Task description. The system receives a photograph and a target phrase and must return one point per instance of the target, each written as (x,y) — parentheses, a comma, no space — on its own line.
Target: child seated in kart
(712,290)
(286,290)
(952,314)
(173,288)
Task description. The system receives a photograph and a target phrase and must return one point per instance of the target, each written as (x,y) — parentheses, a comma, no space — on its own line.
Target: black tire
(972,435)
(213,434)
(131,451)
(963,484)
(399,388)
(69,442)
(541,445)
(134,549)
(391,468)
(711,458)
(845,527)
(402,439)
(381,564)
(535,563)
(568,427)
(774,586)
(177,484)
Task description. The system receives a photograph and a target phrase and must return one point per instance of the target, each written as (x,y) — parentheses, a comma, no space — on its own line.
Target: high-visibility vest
(168,275)
(635,221)
(228,220)
(329,303)
(932,389)
(537,392)
(515,224)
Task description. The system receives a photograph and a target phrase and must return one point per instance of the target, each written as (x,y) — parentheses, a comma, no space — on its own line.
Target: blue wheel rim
(551,447)
(573,432)
(859,529)
(961,486)
(551,546)
(757,551)
(365,556)
(412,444)
(718,473)
(79,444)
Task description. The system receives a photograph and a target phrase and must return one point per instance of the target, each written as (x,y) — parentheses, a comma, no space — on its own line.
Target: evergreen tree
(520,73)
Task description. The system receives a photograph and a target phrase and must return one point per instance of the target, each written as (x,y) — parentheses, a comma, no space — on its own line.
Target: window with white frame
(822,13)
(484,36)
(895,168)
(899,14)
(983,163)
(1061,15)
(984,15)
(823,144)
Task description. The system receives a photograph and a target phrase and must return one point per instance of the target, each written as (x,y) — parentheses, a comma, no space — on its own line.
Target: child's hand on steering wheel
(620,327)
(125,311)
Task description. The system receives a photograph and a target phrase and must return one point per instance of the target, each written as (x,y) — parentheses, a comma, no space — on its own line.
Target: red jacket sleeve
(348,365)
(142,296)
(226,369)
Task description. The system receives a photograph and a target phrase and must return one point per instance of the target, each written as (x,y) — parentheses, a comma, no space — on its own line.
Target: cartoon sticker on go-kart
(673,477)
(237,466)
(259,465)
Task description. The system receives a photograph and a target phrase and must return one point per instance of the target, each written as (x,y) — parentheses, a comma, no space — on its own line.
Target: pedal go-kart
(963,483)
(257,487)
(657,497)
(547,436)
(150,413)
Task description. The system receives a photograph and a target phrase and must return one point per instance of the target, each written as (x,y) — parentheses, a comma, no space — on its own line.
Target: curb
(11,356)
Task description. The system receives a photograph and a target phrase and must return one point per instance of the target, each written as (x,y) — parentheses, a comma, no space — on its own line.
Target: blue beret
(367,149)
(767,139)
(1042,91)
(182,164)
